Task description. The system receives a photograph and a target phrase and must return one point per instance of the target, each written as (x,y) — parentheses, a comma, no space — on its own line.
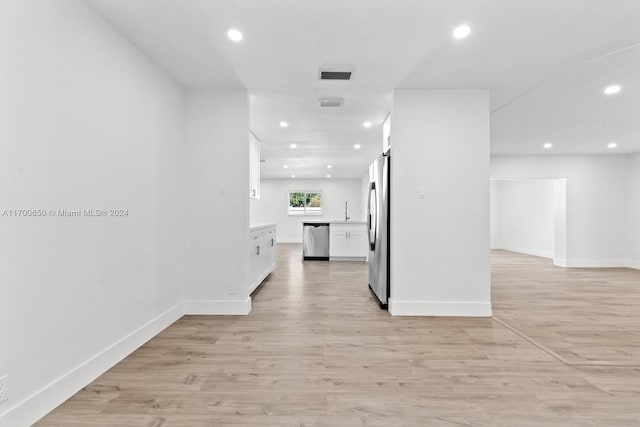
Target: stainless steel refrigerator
(378,225)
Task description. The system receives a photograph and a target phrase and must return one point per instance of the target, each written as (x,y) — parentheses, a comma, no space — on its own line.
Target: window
(305,203)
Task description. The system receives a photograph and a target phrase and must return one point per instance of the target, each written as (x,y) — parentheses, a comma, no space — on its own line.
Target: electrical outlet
(3,388)
(232,288)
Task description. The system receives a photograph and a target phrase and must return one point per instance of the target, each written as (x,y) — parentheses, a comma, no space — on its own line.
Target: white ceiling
(545,62)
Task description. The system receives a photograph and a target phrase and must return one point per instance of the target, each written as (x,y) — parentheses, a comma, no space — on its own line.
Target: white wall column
(440,243)
(634,211)
(217,217)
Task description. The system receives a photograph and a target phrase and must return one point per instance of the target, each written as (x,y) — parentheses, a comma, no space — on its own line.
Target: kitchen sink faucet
(346,212)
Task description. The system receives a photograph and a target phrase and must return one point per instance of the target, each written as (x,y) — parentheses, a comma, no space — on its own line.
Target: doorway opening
(529,216)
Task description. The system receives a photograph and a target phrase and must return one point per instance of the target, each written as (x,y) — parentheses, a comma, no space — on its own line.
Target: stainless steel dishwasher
(315,240)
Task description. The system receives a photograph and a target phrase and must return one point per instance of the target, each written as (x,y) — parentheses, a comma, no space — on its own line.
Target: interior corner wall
(217,163)
(440,243)
(523,216)
(597,193)
(272,205)
(88,123)
(634,210)
(560,222)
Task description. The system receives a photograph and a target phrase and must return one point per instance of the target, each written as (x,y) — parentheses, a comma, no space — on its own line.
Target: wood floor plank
(584,315)
(317,350)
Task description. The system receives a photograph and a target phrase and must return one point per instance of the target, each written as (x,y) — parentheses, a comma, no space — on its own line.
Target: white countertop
(260,227)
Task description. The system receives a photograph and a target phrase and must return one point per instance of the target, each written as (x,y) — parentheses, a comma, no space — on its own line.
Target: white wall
(217,131)
(634,211)
(597,194)
(440,244)
(364,194)
(273,202)
(560,222)
(523,216)
(87,122)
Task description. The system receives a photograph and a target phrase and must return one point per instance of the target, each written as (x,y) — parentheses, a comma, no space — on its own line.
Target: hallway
(317,350)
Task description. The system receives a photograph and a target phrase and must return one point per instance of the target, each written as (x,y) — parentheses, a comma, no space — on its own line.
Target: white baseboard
(43,401)
(597,263)
(526,251)
(348,259)
(218,307)
(439,308)
(560,262)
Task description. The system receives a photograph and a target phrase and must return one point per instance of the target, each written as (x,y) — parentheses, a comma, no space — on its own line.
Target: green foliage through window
(305,203)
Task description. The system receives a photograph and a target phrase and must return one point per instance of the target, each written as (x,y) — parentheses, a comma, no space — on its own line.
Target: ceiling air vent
(336,72)
(335,75)
(331,102)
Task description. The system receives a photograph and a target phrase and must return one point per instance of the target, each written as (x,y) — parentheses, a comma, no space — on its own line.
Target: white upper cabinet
(254,166)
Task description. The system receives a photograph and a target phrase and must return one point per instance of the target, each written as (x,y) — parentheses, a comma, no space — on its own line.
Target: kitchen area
(332,219)
(336,240)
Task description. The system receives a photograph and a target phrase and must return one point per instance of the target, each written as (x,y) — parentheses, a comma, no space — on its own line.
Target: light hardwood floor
(317,350)
(586,316)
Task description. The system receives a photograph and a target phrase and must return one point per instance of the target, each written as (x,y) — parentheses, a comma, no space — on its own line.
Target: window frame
(304,211)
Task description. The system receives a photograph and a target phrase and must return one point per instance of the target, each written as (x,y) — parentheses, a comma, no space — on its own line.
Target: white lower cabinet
(348,242)
(262,254)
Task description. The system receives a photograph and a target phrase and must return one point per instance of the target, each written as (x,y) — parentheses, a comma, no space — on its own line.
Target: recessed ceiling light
(548,145)
(234,35)
(357,146)
(329,166)
(612,90)
(328,176)
(284,124)
(293,176)
(612,145)
(367,124)
(293,146)
(461,32)
(286,166)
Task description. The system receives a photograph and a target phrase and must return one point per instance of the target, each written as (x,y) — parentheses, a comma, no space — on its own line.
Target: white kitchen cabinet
(338,241)
(262,254)
(269,252)
(254,166)
(348,241)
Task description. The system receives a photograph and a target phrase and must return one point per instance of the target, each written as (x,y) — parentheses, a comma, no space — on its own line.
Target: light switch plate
(422,192)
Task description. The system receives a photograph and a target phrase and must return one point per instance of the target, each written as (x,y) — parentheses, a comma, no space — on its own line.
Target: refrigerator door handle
(372,220)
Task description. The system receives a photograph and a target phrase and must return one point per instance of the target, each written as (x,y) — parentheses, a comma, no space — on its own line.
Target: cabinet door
(253,264)
(270,251)
(274,250)
(358,242)
(338,243)
(262,259)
